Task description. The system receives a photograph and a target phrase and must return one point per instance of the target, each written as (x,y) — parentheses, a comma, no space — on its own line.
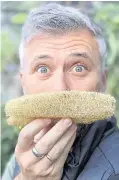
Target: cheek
(34,85)
(91,82)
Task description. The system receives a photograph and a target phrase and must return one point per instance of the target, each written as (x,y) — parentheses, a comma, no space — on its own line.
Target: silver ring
(37,154)
(48,157)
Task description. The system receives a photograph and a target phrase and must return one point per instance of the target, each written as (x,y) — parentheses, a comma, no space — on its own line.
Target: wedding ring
(37,154)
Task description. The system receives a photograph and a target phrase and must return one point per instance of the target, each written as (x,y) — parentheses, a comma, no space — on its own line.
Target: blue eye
(79,68)
(43,70)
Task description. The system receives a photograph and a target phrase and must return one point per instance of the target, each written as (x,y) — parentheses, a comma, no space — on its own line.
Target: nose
(60,82)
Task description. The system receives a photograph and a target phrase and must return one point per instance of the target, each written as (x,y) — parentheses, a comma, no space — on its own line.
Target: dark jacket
(94,154)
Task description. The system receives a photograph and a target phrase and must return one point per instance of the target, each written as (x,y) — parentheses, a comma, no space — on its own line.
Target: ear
(104,79)
(22,79)
(21,76)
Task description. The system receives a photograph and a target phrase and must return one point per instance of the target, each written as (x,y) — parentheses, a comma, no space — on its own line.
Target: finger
(26,136)
(55,152)
(65,153)
(53,135)
(44,166)
(59,147)
(56,163)
(68,147)
(38,136)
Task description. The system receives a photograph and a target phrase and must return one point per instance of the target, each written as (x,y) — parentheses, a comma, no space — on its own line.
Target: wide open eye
(43,69)
(79,68)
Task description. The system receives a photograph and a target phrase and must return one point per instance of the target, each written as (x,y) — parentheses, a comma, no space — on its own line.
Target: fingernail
(35,140)
(67,122)
(47,121)
(74,127)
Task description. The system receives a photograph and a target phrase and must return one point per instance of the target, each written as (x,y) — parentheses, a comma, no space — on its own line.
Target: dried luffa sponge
(80,106)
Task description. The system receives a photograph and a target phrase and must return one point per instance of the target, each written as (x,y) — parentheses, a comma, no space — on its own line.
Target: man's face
(62,62)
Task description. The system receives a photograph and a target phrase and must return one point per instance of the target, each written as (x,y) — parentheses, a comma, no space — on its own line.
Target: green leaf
(113,46)
(19,18)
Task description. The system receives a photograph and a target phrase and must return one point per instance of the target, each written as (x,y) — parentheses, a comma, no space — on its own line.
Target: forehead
(63,41)
(60,47)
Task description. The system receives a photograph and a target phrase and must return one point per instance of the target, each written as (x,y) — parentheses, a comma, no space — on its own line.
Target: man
(61,49)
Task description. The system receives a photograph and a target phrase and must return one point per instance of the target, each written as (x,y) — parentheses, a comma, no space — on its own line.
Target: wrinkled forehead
(65,41)
(60,38)
(82,41)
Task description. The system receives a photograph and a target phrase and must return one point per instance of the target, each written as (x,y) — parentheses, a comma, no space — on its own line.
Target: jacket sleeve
(10,169)
(114,177)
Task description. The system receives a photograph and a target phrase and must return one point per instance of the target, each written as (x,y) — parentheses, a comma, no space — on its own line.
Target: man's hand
(56,141)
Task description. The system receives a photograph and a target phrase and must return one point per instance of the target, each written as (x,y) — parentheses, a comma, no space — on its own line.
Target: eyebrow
(82,54)
(44,56)
(75,54)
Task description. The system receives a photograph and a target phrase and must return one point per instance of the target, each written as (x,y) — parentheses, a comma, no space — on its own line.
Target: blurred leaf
(8,49)
(116,20)
(113,48)
(19,18)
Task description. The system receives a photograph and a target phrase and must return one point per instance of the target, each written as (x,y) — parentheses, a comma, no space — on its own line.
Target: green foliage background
(13,16)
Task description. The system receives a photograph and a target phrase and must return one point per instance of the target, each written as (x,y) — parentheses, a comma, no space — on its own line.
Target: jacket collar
(87,139)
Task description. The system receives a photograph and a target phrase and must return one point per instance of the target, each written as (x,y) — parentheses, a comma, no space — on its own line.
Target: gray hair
(54,18)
